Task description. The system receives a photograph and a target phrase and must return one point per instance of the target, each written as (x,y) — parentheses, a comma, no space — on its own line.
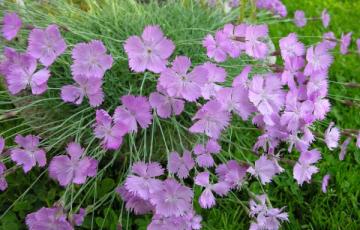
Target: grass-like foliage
(186,23)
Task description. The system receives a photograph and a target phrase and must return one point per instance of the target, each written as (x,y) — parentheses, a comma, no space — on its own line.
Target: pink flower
(236,100)
(321,106)
(217,47)
(325,182)
(343,148)
(325,18)
(234,34)
(166,105)
(72,168)
(318,59)
(265,169)
(150,51)
(3,182)
(46,44)
(266,94)
(332,136)
(79,217)
(48,218)
(181,165)
(142,182)
(204,153)
(304,168)
(27,153)
(172,199)
(179,83)
(299,18)
(85,87)
(23,74)
(330,39)
(110,133)
(345,42)
(275,6)
(292,71)
(291,47)
(134,109)
(134,203)
(232,173)
(207,199)
(215,75)
(11,25)
(243,78)
(254,45)
(210,120)
(90,59)
(317,85)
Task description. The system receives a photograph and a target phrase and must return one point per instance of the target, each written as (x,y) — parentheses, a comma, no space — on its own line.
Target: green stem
(242,11)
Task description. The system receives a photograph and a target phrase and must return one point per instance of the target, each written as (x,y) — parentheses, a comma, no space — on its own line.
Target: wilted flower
(90,59)
(179,83)
(265,169)
(291,47)
(142,182)
(85,87)
(48,218)
(166,105)
(46,44)
(72,168)
(134,203)
(325,18)
(299,18)
(232,173)
(110,133)
(204,153)
(11,25)
(150,51)
(345,42)
(172,199)
(325,182)
(207,199)
(343,148)
(27,154)
(134,109)
(304,168)
(254,45)
(180,165)
(332,136)
(211,120)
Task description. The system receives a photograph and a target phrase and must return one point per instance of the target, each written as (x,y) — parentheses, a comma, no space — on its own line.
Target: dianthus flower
(317,85)
(204,153)
(215,75)
(48,218)
(243,78)
(291,47)
(299,18)
(235,35)
(318,59)
(11,25)
(343,148)
(330,39)
(265,169)
(181,165)
(292,71)
(345,42)
(325,18)
(325,182)
(254,46)
(164,104)
(134,203)
(332,136)
(217,47)
(232,173)
(304,168)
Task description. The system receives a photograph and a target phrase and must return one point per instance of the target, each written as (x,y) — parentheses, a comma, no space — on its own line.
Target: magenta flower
(291,47)
(332,136)
(343,148)
(111,134)
(73,168)
(210,120)
(304,168)
(172,199)
(325,182)
(142,182)
(166,105)
(236,100)
(318,59)
(3,182)
(215,75)
(134,109)
(266,94)
(46,44)
(217,47)
(265,169)
(345,42)
(150,51)
(134,203)
(181,165)
(90,59)
(254,45)
(11,25)
(207,199)
(232,173)
(179,83)
(204,153)
(27,153)
(330,39)
(48,218)
(23,74)
(325,18)
(89,87)
(300,19)
(296,113)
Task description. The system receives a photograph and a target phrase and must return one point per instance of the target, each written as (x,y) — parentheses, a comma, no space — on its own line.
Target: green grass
(113,22)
